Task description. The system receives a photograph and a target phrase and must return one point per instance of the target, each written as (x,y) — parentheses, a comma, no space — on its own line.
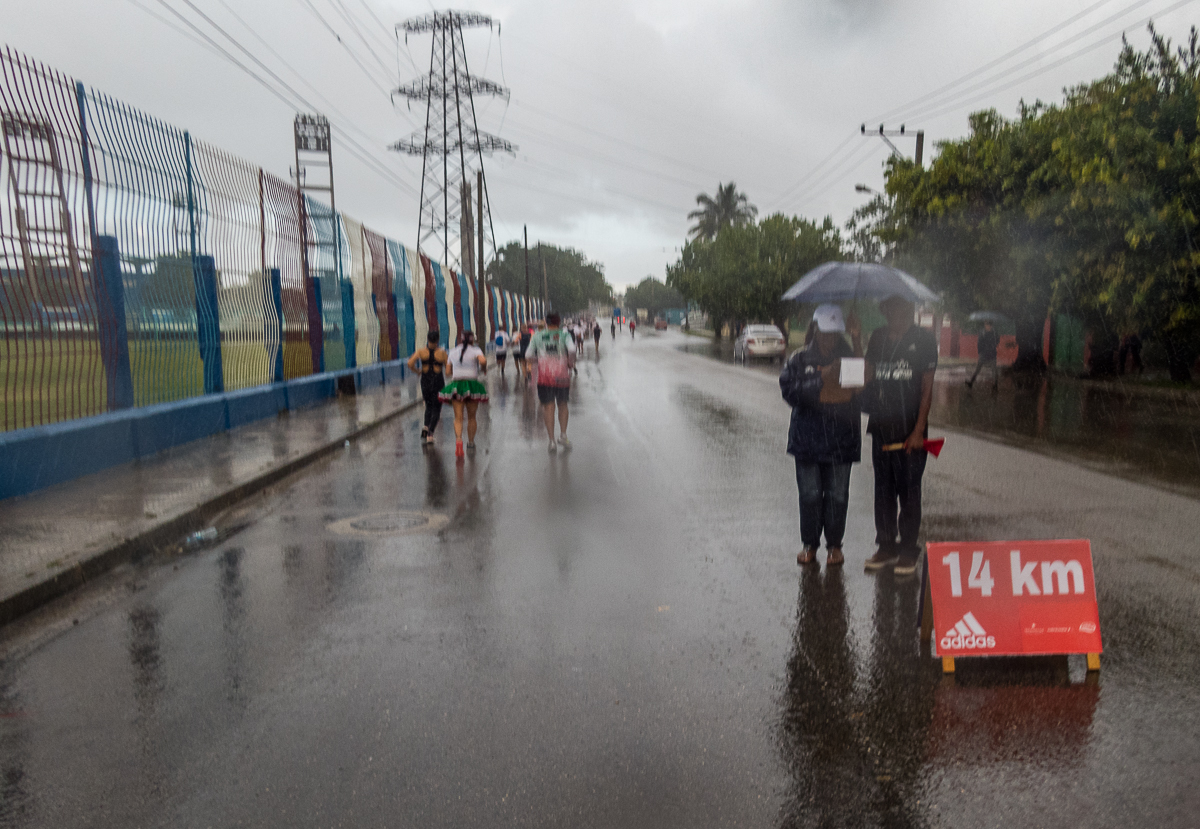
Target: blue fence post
(208,323)
(277,304)
(110,321)
(319,343)
(394,330)
(348,323)
(204,277)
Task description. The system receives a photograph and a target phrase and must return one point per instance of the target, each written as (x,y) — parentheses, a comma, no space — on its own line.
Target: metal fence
(139,265)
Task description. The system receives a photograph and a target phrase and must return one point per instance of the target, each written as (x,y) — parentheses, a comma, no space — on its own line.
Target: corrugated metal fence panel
(359,274)
(232,232)
(444,297)
(50,356)
(381,290)
(401,280)
(324,249)
(282,212)
(141,197)
(416,288)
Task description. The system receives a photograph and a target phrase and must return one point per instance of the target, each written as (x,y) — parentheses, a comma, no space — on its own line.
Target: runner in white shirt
(464,391)
(502,342)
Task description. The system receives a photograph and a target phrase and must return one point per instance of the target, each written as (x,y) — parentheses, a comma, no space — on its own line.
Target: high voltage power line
(950,97)
(996,61)
(352,146)
(942,102)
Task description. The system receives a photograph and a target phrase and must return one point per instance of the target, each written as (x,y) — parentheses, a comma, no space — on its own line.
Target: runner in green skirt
(464,391)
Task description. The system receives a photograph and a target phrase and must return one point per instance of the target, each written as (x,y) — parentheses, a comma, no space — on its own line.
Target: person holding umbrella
(901,360)
(825,435)
(989,342)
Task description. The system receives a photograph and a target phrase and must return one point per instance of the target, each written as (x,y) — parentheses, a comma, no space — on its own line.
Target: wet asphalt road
(617,636)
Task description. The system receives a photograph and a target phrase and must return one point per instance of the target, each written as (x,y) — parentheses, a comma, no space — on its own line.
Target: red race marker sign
(1011,598)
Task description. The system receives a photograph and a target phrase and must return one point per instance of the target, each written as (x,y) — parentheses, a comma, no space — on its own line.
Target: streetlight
(862,188)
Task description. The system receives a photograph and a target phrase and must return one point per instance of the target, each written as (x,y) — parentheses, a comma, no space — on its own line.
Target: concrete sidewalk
(57,538)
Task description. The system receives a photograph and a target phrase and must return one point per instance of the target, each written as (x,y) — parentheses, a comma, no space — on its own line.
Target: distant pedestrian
(430,362)
(502,342)
(520,346)
(632,327)
(989,343)
(1130,350)
(901,360)
(464,391)
(596,332)
(825,436)
(552,352)
(613,328)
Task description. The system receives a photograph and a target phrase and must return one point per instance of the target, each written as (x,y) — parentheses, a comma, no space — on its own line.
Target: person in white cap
(825,437)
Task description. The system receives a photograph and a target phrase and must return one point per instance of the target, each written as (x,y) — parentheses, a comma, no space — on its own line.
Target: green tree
(573,280)
(654,296)
(1089,207)
(728,208)
(742,274)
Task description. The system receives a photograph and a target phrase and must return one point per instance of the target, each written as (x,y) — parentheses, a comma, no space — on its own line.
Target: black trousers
(897,483)
(431,384)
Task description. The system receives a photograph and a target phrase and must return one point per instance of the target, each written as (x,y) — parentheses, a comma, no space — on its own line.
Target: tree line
(1087,207)
(572,279)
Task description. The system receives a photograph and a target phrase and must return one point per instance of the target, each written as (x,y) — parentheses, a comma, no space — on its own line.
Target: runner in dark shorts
(553,350)
(432,360)
(521,345)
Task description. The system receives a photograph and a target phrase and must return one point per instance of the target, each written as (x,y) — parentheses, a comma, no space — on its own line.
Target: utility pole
(451,132)
(526,229)
(483,289)
(900,132)
(545,284)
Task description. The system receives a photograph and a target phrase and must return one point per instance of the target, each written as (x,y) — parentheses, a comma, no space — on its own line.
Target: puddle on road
(388,524)
(1139,437)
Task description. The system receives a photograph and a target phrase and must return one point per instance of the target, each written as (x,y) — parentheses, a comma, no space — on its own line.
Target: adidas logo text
(967,634)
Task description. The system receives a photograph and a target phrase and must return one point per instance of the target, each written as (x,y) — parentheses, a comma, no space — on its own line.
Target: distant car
(660,324)
(760,341)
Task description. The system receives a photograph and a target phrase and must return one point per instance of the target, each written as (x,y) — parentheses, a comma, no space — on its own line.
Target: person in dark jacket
(826,432)
(989,342)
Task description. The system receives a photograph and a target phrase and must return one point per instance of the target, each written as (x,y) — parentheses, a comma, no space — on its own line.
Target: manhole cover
(381,524)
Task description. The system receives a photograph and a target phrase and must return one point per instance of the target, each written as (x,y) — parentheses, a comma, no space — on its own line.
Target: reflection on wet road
(615,636)
(1150,438)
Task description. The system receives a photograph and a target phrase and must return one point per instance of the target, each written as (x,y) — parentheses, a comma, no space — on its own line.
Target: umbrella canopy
(840,281)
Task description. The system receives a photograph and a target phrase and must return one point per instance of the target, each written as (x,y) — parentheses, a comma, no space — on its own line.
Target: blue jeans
(824,497)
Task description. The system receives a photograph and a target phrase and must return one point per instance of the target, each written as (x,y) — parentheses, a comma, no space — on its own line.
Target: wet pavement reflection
(1151,436)
(617,635)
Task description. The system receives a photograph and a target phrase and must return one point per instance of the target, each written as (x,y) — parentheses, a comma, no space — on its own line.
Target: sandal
(807,556)
(834,557)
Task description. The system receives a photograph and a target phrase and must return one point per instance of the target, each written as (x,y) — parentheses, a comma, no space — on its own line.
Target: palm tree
(728,208)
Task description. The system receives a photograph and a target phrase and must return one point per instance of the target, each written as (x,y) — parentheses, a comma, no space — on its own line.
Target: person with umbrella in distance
(901,359)
(825,435)
(989,343)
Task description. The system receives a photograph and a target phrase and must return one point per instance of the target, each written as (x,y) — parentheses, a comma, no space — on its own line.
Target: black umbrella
(840,281)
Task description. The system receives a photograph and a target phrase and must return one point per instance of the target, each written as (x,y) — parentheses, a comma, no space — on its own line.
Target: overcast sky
(621,111)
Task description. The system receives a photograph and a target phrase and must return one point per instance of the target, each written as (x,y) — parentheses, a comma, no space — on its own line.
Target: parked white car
(760,341)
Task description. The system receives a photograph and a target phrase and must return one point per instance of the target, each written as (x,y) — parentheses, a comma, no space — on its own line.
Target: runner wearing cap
(825,435)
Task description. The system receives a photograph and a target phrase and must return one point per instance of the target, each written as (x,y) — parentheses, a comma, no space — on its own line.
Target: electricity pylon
(451,137)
